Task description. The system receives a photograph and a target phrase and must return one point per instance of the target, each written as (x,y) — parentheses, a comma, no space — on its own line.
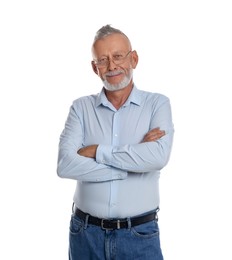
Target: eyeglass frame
(121,61)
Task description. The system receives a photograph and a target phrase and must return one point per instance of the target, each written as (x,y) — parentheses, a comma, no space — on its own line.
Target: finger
(155,136)
(157,133)
(154,130)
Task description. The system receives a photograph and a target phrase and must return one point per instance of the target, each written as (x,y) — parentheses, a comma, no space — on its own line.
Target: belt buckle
(104,228)
(102,225)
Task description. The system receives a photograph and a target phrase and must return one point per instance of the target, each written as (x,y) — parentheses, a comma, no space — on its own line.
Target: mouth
(113,74)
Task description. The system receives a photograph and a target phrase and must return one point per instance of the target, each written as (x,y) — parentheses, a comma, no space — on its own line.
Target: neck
(119,97)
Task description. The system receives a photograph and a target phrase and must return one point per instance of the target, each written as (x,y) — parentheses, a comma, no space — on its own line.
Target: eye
(102,60)
(118,56)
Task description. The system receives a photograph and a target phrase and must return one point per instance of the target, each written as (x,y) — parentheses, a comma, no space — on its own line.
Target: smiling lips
(113,73)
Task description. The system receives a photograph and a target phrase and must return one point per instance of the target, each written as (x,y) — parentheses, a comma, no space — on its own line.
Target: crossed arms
(152,136)
(102,162)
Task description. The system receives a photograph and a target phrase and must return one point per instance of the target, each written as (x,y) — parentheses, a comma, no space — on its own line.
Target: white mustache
(113,73)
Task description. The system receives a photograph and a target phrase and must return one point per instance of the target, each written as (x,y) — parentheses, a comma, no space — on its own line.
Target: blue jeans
(90,242)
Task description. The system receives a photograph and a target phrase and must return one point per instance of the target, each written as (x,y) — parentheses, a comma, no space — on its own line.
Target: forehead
(111,43)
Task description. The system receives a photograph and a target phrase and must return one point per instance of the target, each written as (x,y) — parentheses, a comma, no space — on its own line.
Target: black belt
(116,223)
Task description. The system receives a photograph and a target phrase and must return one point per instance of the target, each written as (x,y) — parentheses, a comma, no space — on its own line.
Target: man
(114,145)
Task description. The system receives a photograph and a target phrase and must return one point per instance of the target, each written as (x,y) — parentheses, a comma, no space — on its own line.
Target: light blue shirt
(123,181)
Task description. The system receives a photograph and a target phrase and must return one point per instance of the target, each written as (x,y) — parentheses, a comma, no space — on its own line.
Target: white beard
(125,82)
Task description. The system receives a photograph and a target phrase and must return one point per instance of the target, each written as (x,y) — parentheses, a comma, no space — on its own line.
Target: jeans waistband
(116,223)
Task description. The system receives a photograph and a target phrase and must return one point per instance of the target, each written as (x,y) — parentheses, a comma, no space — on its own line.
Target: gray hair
(105,31)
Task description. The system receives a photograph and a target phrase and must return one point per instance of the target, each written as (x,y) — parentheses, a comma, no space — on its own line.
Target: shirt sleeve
(73,166)
(142,157)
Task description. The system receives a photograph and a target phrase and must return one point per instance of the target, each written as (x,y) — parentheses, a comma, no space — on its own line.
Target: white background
(185,53)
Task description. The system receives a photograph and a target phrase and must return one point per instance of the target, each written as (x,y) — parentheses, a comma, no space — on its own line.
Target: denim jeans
(90,242)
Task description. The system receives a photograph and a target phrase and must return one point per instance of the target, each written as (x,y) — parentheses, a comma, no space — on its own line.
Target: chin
(121,85)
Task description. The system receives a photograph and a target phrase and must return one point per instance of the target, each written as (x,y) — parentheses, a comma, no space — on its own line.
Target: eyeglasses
(117,60)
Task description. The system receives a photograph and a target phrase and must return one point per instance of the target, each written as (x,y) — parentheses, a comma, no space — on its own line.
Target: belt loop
(86,221)
(156,214)
(129,223)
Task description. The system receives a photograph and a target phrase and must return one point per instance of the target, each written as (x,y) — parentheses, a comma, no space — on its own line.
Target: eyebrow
(116,52)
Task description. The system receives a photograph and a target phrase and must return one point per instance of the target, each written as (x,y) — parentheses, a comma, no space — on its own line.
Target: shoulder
(85,100)
(152,97)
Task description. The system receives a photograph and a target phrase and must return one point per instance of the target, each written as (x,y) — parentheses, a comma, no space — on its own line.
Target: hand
(88,151)
(153,135)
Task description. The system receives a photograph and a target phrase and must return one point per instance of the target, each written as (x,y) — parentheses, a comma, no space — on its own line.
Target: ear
(135,59)
(94,67)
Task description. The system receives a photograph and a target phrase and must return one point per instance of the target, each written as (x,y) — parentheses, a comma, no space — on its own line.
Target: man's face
(114,61)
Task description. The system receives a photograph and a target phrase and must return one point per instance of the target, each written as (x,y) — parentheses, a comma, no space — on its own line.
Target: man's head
(113,58)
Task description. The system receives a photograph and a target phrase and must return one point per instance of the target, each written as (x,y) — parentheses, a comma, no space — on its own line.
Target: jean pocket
(147,230)
(76,225)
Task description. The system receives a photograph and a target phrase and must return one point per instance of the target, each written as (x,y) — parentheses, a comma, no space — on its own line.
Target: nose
(111,65)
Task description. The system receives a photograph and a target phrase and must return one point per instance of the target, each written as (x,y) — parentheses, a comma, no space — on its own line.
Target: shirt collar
(135,98)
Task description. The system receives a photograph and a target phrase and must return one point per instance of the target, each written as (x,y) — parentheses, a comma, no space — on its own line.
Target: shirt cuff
(104,154)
